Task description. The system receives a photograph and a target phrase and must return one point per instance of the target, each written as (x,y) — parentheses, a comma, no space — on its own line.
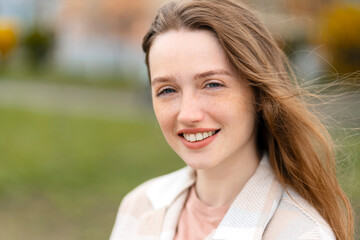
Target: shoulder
(151,195)
(132,207)
(137,199)
(295,218)
(160,191)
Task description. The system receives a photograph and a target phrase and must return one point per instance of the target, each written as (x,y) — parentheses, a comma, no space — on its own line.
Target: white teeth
(198,136)
(205,135)
(187,137)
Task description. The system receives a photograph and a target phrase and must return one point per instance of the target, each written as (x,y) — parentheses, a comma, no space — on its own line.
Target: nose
(190,110)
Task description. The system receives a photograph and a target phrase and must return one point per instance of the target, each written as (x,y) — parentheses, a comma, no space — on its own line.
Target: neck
(220,185)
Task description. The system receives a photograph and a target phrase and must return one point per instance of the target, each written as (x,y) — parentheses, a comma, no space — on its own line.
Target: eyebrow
(197,76)
(212,73)
(161,80)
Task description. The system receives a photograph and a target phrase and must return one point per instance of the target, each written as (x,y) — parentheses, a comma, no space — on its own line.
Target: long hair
(300,149)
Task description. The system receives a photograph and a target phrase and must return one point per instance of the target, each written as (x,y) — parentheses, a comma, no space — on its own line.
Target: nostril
(188,116)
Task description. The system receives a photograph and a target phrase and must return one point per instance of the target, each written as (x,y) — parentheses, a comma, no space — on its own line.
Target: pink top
(197,220)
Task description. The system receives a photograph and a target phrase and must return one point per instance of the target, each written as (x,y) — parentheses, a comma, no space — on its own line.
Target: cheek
(164,115)
(233,104)
(237,110)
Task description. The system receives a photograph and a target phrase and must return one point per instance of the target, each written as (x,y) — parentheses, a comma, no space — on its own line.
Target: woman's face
(204,109)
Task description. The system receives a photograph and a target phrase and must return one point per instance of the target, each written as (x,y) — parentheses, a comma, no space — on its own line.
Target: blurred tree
(340,33)
(8,39)
(38,43)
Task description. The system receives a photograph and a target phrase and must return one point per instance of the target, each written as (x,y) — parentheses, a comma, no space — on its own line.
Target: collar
(167,188)
(248,215)
(254,206)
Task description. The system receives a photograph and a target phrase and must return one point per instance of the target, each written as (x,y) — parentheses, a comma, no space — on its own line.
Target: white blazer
(262,210)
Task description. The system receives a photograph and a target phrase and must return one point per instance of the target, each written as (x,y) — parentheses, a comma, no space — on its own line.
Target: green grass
(348,156)
(63,177)
(60,172)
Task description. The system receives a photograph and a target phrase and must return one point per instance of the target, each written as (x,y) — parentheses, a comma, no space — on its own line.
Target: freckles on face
(204,109)
(164,112)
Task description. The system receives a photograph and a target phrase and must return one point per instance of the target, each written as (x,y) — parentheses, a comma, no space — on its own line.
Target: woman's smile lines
(198,136)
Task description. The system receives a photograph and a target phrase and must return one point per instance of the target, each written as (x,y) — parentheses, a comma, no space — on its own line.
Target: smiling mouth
(196,137)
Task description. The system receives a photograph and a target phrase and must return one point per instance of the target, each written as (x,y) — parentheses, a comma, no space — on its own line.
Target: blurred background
(77,131)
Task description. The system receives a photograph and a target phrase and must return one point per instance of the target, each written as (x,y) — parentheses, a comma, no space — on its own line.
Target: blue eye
(166,91)
(213,85)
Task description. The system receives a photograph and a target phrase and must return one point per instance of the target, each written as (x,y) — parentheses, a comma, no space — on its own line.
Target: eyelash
(165,91)
(216,83)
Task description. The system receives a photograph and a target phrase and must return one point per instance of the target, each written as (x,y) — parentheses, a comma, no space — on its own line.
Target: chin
(198,159)
(199,164)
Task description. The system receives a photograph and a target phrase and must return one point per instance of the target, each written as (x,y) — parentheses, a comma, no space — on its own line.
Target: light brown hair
(299,147)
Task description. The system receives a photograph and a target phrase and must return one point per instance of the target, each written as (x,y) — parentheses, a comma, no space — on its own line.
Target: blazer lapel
(161,223)
(167,195)
(253,208)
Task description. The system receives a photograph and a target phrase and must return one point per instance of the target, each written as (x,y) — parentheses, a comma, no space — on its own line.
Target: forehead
(186,52)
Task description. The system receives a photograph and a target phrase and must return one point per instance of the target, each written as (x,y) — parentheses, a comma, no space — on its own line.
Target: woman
(260,165)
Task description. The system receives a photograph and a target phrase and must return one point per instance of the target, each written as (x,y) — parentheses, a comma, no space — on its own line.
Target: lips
(197,138)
